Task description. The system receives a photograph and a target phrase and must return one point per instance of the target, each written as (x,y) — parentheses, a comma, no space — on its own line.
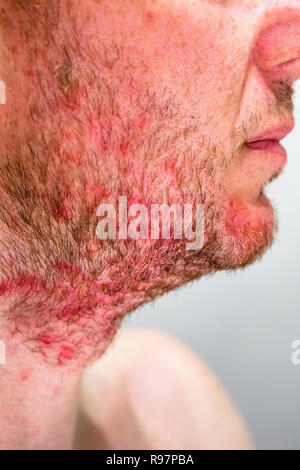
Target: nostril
(290,69)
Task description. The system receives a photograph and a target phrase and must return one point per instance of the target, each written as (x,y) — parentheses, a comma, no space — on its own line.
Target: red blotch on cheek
(25,375)
(108,135)
(30,73)
(150,16)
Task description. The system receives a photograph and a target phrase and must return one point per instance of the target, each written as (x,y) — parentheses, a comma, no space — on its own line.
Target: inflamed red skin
(138,98)
(88,120)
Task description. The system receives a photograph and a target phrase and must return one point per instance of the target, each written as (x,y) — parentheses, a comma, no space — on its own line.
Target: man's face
(166,101)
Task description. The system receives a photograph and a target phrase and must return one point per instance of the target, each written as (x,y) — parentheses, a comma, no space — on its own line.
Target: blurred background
(243,323)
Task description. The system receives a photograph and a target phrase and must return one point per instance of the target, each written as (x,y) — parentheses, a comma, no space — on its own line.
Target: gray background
(243,323)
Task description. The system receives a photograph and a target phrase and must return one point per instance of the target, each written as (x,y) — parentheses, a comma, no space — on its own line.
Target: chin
(248,230)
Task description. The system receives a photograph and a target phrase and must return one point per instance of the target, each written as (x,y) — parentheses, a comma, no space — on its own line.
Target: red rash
(150,16)
(241,222)
(127,99)
(25,375)
(73,304)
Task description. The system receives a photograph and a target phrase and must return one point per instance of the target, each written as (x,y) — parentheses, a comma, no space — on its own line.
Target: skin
(150,99)
(148,405)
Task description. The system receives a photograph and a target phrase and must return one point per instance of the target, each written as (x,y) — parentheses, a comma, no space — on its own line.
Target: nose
(277,51)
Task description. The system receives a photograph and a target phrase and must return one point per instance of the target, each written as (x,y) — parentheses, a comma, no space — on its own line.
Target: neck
(38,403)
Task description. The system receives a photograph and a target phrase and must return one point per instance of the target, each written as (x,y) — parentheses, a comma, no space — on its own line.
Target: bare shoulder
(150,391)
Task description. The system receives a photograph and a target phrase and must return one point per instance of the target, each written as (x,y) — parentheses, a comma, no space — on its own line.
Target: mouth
(269,140)
(260,160)
(268,145)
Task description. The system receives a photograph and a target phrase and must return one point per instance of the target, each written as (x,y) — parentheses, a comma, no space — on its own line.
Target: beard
(83,137)
(66,291)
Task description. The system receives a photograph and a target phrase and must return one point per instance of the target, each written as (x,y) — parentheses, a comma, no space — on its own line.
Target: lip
(268,145)
(275,133)
(269,139)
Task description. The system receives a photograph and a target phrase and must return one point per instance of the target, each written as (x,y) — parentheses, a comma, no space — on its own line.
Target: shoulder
(150,391)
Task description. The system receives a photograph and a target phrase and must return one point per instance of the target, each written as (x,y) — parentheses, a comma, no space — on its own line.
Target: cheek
(200,72)
(25,375)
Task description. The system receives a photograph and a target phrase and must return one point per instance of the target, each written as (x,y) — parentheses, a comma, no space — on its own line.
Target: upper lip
(278,132)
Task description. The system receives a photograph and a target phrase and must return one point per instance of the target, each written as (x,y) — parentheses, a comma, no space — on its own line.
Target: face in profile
(163,102)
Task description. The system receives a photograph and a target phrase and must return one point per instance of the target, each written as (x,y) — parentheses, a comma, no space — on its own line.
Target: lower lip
(268,145)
